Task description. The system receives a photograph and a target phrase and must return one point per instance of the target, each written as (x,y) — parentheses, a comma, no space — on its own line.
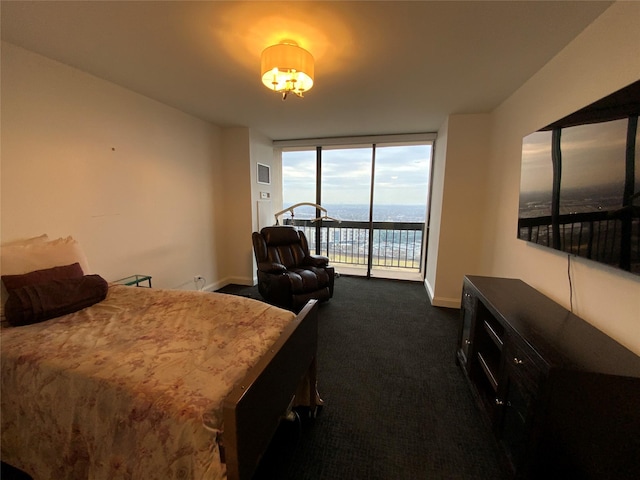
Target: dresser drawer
(469,300)
(523,364)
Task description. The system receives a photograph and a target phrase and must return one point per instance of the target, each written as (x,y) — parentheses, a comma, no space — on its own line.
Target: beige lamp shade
(286,67)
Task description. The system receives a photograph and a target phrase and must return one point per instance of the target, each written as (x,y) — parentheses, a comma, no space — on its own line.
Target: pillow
(24,258)
(36,303)
(11,282)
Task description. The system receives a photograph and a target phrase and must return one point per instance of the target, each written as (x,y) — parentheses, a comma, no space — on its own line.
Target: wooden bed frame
(254,408)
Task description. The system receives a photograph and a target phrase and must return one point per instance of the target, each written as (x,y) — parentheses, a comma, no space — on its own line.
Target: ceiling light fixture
(287,68)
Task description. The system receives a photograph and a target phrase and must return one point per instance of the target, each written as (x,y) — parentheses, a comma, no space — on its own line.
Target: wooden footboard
(253,410)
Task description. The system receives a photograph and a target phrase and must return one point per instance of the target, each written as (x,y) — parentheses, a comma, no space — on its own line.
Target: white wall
(262,152)
(235,218)
(458,197)
(130,178)
(435,210)
(143,187)
(237,201)
(604,58)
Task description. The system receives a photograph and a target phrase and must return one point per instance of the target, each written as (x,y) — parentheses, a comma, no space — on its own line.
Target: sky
(401,176)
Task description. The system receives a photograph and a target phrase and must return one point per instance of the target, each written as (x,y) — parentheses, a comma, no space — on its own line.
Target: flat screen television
(580,182)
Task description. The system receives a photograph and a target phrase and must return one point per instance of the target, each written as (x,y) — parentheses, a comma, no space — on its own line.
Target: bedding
(131,387)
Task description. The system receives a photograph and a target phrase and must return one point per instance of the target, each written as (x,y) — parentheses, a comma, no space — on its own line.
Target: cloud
(401,176)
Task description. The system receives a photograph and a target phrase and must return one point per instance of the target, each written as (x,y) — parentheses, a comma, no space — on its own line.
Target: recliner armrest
(271,267)
(316,260)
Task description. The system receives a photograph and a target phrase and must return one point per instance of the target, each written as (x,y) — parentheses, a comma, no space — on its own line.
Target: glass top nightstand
(135,280)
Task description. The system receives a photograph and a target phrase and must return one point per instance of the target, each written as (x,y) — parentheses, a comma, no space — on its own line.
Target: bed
(152,383)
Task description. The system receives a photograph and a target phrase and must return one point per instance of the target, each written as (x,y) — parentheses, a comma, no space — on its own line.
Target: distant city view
(398,246)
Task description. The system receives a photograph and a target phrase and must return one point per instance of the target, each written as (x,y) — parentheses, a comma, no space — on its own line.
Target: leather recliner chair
(288,275)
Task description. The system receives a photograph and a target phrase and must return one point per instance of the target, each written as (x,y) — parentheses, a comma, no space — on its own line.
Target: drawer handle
(502,403)
(517,361)
(467,342)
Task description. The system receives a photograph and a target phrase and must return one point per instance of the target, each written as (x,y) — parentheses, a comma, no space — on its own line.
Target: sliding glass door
(345,192)
(399,204)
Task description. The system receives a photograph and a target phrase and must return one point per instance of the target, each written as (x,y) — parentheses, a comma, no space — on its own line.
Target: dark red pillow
(39,302)
(11,282)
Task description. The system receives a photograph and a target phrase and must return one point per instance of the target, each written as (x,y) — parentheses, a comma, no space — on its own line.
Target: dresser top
(559,337)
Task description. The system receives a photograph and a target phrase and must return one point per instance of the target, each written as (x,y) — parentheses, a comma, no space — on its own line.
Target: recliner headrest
(280,235)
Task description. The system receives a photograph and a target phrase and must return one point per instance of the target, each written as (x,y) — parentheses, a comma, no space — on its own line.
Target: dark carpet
(396,404)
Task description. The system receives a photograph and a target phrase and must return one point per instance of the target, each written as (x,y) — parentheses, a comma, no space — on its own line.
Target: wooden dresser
(562,398)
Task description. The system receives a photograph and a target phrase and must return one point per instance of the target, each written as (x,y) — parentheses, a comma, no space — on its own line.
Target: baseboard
(212,287)
(446,302)
(429,290)
(440,301)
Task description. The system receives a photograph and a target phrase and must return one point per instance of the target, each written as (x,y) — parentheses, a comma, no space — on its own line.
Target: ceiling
(381,67)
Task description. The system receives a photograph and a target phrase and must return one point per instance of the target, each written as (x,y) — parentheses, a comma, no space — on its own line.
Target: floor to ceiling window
(299,181)
(376,197)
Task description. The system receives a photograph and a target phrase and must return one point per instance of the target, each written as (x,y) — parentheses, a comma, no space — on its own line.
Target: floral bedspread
(132,387)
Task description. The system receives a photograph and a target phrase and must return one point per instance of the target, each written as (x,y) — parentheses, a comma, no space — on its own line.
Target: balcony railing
(394,244)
